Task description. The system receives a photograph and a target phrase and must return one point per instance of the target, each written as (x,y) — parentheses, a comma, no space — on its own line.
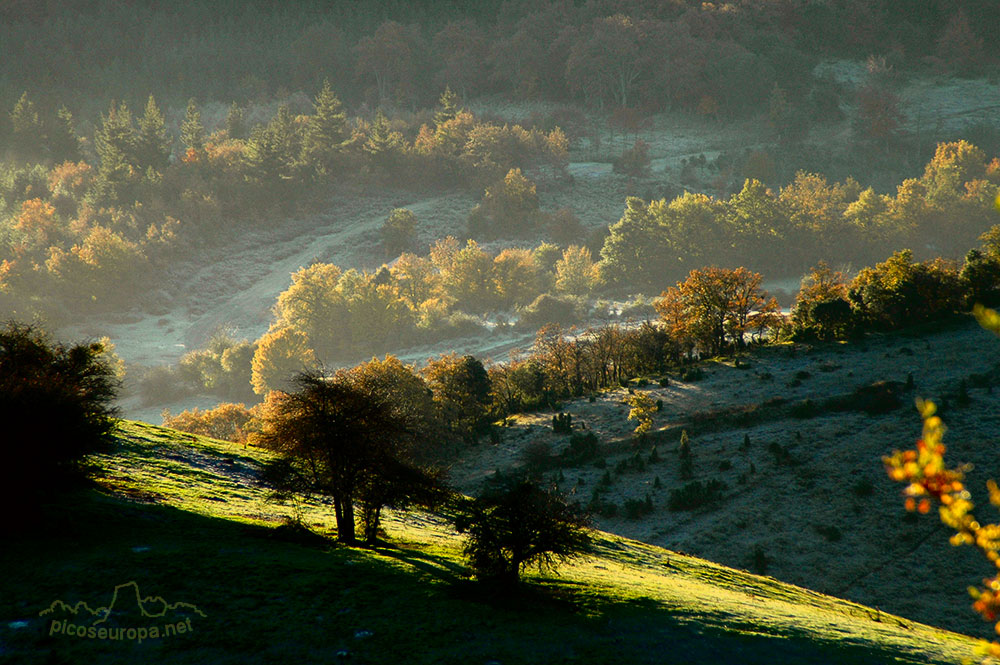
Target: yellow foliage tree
(281,353)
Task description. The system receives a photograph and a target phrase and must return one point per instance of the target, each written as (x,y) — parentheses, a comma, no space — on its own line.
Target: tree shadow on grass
(269,600)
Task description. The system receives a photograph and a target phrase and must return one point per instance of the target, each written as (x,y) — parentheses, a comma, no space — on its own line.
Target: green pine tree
(192,131)
(115,145)
(236,124)
(325,131)
(263,156)
(27,136)
(448,107)
(384,145)
(152,143)
(63,142)
(286,138)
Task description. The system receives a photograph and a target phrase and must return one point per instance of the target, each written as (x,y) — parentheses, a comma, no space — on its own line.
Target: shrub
(562,423)
(582,447)
(547,308)
(829,532)
(226,421)
(759,560)
(877,398)
(693,374)
(782,456)
(55,403)
(516,523)
(638,508)
(398,232)
(537,456)
(634,161)
(696,494)
(805,409)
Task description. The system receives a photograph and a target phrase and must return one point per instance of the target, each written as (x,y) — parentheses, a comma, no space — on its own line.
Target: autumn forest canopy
(122,157)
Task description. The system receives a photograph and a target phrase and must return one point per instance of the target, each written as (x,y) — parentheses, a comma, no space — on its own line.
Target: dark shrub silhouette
(515,523)
(55,405)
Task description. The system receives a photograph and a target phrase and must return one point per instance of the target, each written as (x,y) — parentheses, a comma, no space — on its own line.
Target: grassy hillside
(186,519)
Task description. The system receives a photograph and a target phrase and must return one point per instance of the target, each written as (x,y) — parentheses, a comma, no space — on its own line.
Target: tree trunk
(344,511)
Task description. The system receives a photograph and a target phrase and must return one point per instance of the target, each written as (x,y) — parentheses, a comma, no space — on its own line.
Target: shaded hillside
(187,519)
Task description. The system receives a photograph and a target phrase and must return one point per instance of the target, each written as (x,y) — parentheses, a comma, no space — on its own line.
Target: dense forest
(715,57)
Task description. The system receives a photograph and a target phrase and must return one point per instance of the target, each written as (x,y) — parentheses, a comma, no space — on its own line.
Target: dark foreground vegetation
(184,517)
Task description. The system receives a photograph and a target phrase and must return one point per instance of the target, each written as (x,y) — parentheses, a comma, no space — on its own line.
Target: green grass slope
(187,519)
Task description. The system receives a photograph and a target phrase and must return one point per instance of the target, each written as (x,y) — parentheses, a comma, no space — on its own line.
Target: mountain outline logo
(125,600)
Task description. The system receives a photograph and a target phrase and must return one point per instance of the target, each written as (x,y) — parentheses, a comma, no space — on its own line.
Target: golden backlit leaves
(929,480)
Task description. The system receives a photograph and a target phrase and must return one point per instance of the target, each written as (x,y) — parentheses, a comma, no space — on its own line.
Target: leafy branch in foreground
(929,481)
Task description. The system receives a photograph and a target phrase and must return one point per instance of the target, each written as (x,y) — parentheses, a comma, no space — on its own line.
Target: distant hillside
(187,519)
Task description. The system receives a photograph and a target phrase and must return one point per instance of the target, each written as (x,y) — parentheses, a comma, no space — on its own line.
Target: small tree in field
(55,406)
(643,408)
(344,437)
(399,232)
(516,523)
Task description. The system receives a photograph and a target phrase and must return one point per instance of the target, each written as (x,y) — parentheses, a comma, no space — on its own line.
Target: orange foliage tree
(715,307)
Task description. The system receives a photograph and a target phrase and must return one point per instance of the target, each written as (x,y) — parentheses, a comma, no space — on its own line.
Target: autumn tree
(642,408)
(517,276)
(226,421)
(605,64)
(398,232)
(408,478)
(461,388)
(959,48)
(717,307)
(900,291)
(821,308)
(465,274)
(391,59)
(576,272)
(879,115)
(509,207)
(653,241)
(343,437)
(757,221)
(460,48)
(281,354)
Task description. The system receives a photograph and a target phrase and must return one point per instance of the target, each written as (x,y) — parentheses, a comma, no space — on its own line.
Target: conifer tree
(263,156)
(115,144)
(236,125)
(63,142)
(448,107)
(192,131)
(325,131)
(27,129)
(285,136)
(383,145)
(152,145)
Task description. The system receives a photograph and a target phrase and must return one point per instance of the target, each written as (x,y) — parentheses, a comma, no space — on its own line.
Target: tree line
(707,57)
(80,219)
